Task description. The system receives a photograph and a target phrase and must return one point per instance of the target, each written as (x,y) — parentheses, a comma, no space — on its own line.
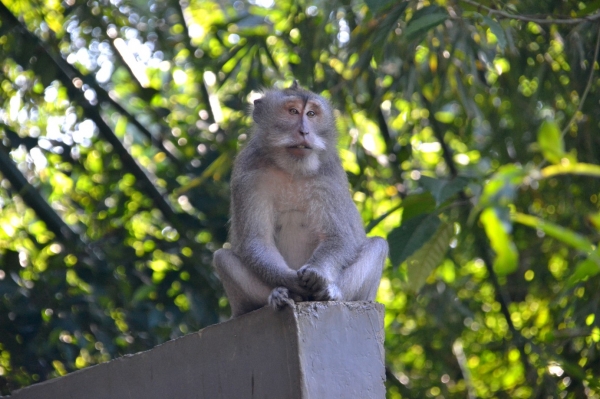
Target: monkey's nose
(303,132)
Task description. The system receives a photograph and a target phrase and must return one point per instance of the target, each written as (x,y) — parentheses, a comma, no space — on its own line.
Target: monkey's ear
(294,85)
(258,108)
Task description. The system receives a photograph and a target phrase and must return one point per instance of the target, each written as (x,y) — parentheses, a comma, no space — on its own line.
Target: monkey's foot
(315,281)
(280,298)
(331,293)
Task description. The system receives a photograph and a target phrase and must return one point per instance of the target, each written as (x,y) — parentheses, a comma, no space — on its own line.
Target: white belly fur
(294,238)
(296,224)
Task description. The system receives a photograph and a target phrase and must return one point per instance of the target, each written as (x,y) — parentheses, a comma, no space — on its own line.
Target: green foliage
(410,236)
(550,141)
(469,131)
(429,256)
(507,256)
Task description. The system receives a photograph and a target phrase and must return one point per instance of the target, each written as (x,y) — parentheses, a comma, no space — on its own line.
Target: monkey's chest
(296,226)
(295,236)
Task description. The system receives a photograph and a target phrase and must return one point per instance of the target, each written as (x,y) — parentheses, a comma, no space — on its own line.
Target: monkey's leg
(245,291)
(360,281)
(357,282)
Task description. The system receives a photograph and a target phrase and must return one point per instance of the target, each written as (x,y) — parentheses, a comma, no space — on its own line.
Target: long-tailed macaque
(295,232)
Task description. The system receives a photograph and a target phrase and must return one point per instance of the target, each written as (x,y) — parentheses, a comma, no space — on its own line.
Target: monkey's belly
(295,238)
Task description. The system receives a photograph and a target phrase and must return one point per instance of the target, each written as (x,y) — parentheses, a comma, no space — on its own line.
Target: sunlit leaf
(585,269)
(584,169)
(562,234)
(501,189)
(507,256)
(551,142)
(595,220)
(497,30)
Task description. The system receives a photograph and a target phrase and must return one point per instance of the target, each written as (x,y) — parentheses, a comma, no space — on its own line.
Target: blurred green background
(469,131)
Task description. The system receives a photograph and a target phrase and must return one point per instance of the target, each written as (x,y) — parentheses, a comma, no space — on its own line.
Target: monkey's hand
(280,298)
(317,282)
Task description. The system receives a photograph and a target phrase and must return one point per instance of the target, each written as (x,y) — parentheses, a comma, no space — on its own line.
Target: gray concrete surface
(316,350)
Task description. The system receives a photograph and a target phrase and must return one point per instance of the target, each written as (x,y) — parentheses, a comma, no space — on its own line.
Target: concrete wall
(316,350)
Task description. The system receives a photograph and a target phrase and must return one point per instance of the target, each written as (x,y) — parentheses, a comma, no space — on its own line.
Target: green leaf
(445,116)
(562,234)
(428,257)
(142,293)
(442,189)
(551,142)
(594,219)
(378,5)
(497,30)
(585,269)
(423,20)
(507,256)
(584,169)
(417,204)
(501,189)
(378,220)
(377,41)
(411,236)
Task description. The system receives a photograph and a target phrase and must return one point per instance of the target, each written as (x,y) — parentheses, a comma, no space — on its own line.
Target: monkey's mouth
(300,150)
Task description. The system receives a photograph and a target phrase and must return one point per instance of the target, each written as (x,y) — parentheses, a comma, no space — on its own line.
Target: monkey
(295,233)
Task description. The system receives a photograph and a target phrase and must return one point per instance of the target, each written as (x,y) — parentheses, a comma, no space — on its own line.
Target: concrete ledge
(315,350)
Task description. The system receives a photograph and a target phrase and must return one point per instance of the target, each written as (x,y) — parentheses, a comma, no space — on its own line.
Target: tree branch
(482,245)
(66,75)
(537,20)
(587,87)
(33,199)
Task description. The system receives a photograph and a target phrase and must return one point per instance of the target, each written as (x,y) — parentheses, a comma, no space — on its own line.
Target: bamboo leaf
(560,233)
(423,20)
(378,5)
(585,169)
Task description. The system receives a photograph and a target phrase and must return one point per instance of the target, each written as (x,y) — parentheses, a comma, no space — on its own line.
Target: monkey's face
(297,127)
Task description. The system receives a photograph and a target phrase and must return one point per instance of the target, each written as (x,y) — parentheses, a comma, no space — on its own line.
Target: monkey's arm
(342,235)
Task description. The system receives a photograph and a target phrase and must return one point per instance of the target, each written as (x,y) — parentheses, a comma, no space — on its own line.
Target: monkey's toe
(280,298)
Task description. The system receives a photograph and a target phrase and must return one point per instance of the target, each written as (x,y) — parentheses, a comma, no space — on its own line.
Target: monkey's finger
(307,276)
(309,283)
(312,280)
(300,290)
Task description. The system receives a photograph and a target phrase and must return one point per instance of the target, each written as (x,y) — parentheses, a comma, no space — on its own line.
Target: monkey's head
(296,128)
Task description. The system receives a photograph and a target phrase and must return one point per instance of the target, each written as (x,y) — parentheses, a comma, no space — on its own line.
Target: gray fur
(295,232)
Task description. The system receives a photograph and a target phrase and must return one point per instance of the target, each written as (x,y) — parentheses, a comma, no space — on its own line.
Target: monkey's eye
(310,114)
(294,111)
